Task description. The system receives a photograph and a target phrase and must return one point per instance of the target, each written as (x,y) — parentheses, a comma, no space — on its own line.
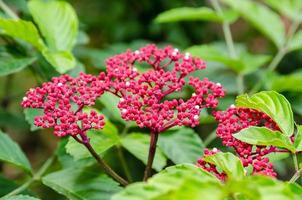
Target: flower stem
(295,159)
(108,170)
(152,150)
(35,177)
(296,176)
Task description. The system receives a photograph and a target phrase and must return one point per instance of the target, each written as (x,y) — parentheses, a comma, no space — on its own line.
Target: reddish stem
(152,150)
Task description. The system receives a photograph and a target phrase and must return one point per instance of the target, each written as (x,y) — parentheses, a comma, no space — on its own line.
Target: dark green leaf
(181,146)
(21,197)
(264,137)
(11,152)
(138,145)
(262,18)
(10,65)
(274,105)
(229,163)
(81,184)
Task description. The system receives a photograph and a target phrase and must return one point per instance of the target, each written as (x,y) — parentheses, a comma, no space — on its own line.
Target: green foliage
(245,64)
(101,141)
(181,146)
(183,14)
(58,24)
(177,182)
(30,115)
(10,65)
(290,82)
(11,152)
(295,43)
(262,18)
(264,137)
(290,8)
(138,145)
(81,184)
(274,105)
(229,163)
(21,197)
(298,138)
(23,30)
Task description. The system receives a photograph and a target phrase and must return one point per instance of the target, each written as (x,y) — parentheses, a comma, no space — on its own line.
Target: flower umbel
(143,96)
(63,100)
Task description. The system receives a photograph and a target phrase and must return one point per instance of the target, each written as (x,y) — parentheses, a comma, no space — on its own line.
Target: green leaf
(274,105)
(290,8)
(188,14)
(264,137)
(58,24)
(110,102)
(11,152)
(23,30)
(81,184)
(138,145)
(7,186)
(262,18)
(9,119)
(229,163)
(101,141)
(10,65)
(181,146)
(245,64)
(178,182)
(21,197)
(30,114)
(298,138)
(296,42)
(290,82)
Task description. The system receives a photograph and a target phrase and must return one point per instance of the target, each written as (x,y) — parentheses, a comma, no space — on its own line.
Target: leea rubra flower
(143,95)
(63,99)
(235,119)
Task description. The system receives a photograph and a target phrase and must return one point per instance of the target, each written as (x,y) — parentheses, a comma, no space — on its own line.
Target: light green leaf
(262,18)
(229,163)
(21,197)
(298,138)
(290,8)
(188,14)
(178,182)
(264,137)
(138,145)
(296,42)
(58,24)
(101,141)
(23,30)
(290,82)
(181,146)
(30,114)
(245,64)
(11,152)
(10,65)
(81,184)
(274,105)
(62,61)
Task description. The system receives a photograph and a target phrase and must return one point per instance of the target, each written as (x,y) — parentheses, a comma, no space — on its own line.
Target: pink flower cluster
(144,97)
(235,119)
(63,100)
